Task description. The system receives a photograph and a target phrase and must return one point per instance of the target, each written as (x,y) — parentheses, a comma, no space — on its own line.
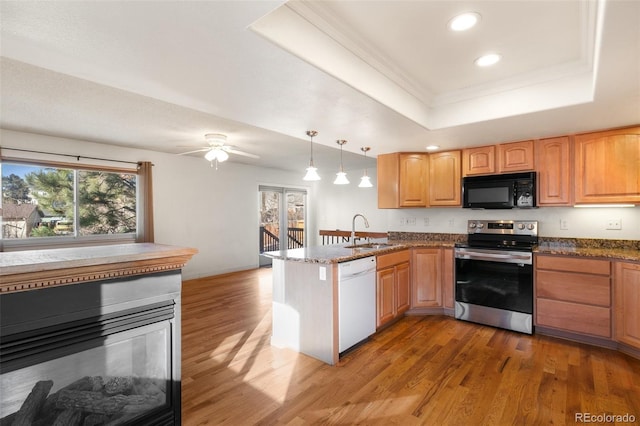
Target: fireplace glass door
(120,378)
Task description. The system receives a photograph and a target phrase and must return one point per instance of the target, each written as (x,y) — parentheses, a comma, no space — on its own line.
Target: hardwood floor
(422,370)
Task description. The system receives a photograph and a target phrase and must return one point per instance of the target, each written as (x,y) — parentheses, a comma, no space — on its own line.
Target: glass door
(282,219)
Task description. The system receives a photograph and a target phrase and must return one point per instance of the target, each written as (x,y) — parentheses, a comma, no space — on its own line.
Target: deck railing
(270,241)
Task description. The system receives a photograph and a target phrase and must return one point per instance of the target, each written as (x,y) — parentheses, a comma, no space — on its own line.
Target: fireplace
(95,353)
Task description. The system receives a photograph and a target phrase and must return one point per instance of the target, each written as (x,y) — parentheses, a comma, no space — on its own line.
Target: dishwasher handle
(357,274)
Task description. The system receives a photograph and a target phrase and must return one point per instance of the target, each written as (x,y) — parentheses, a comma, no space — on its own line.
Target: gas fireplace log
(96,402)
(8,420)
(95,420)
(69,418)
(34,402)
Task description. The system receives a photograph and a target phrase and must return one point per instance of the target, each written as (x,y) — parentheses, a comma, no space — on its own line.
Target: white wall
(581,222)
(196,206)
(337,204)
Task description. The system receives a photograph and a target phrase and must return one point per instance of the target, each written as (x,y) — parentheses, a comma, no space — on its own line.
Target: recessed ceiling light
(433,147)
(488,60)
(464,21)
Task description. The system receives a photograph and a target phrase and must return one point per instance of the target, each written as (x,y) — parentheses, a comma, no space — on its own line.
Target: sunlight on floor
(221,352)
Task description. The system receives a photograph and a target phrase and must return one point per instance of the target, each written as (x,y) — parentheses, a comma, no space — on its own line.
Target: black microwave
(507,191)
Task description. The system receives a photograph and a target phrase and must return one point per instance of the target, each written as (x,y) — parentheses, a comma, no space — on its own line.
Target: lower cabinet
(573,294)
(627,303)
(432,278)
(427,278)
(393,286)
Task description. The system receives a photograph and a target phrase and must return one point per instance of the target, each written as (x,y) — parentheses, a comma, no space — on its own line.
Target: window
(59,204)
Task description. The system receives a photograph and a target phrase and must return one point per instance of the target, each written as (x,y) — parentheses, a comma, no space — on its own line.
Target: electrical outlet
(426,221)
(614,224)
(411,221)
(451,222)
(322,273)
(563,224)
(402,221)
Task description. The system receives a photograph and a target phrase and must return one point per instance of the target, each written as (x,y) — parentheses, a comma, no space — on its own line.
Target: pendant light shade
(312,171)
(365,181)
(341,176)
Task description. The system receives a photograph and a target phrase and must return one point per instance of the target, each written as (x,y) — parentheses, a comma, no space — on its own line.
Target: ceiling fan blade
(246,154)
(197,150)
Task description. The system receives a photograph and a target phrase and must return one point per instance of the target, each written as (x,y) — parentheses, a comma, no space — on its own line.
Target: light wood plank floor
(422,370)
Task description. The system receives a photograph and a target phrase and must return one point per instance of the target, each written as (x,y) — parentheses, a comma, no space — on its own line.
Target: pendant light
(312,172)
(365,181)
(341,176)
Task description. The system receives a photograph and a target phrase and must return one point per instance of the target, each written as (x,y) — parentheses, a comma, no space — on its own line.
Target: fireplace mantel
(33,269)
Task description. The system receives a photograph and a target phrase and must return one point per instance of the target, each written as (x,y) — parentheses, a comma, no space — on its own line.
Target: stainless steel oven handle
(491,256)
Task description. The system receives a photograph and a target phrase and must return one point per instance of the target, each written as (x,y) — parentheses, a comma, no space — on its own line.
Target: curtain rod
(77,157)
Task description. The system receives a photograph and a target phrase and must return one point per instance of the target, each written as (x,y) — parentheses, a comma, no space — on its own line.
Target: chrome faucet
(353,226)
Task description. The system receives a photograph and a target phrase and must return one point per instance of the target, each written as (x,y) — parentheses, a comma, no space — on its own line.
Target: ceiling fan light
(365,182)
(312,174)
(222,155)
(211,155)
(341,179)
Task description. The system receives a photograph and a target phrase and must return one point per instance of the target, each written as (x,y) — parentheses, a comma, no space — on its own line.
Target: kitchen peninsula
(305,292)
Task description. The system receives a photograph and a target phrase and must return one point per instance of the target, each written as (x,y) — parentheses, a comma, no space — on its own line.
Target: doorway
(283,214)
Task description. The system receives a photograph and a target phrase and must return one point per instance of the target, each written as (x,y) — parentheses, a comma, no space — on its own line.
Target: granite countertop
(337,253)
(567,249)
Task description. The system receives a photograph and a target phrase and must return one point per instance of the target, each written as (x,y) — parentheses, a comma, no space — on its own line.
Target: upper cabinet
(402,180)
(515,157)
(419,180)
(479,161)
(553,164)
(607,167)
(444,179)
(502,158)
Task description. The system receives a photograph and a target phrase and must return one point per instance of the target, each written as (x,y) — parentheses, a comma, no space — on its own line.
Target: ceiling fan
(218,150)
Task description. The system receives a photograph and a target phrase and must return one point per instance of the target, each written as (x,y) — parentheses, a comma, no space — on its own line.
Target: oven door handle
(491,256)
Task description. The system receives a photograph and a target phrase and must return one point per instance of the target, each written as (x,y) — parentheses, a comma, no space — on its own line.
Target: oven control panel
(503,227)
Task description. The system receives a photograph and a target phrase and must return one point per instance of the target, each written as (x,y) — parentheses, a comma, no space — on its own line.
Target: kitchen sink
(371,246)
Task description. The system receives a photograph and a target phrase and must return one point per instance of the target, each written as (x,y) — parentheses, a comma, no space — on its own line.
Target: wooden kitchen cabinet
(553,164)
(573,294)
(448,277)
(426,282)
(607,166)
(393,286)
(627,303)
(516,157)
(445,186)
(403,180)
(479,161)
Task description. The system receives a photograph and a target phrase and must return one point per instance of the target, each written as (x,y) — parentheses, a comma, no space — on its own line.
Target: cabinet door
(386,296)
(479,161)
(388,181)
(515,157)
(607,167)
(627,303)
(426,278)
(444,179)
(553,164)
(414,170)
(448,272)
(403,289)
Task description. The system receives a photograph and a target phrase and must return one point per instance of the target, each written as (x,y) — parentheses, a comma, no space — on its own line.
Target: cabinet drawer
(387,260)
(574,264)
(593,320)
(572,287)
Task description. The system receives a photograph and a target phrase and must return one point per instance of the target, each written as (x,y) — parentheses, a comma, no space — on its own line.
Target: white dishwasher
(356,301)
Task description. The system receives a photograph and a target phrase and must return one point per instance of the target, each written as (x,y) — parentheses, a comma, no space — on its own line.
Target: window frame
(76,240)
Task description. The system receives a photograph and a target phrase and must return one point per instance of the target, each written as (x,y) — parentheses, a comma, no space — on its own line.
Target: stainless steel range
(494,274)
